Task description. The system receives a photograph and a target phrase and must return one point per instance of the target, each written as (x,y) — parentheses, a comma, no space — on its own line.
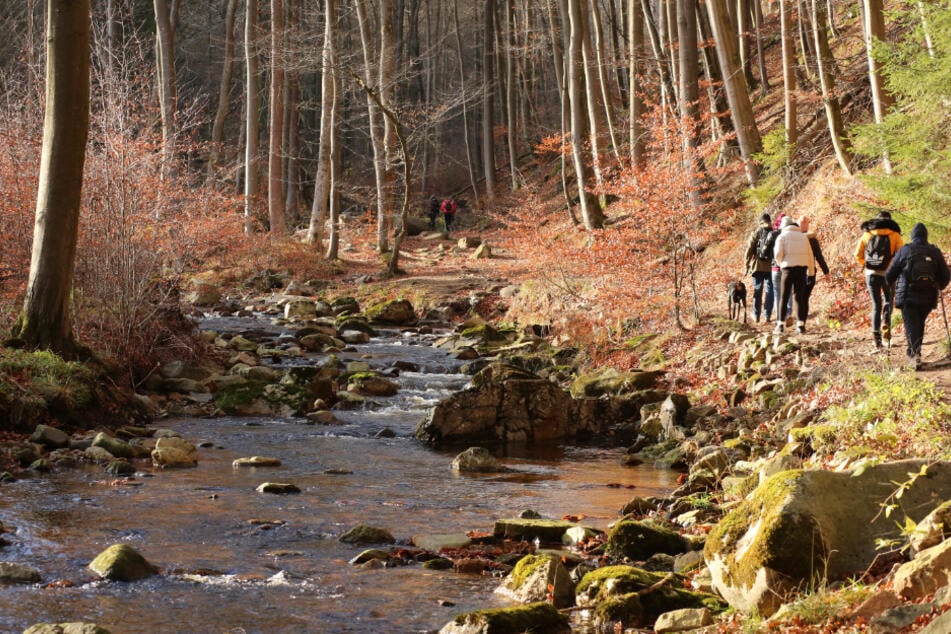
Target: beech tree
(252,108)
(875,32)
(167,80)
(224,89)
(46,318)
(275,186)
(322,189)
(789,75)
(833,109)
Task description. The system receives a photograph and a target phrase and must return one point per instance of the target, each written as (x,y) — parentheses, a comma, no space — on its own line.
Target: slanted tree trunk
(275,187)
(789,76)
(252,109)
(635,29)
(465,103)
(511,118)
(760,57)
(881,100)
(591,213)
(322,180)
(46,322)
(734,84)
(386,83)
(601,77)
(488,92)
(224,91)
(840,142)
(333,241)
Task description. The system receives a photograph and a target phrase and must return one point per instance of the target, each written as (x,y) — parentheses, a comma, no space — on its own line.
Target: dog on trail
(736,299)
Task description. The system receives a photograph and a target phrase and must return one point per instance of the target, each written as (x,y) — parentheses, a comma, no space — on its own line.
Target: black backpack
(764,244)
(878,252)
(919,270)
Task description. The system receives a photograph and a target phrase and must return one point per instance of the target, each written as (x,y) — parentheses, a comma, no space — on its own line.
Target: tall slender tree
(46,318)
(167,82)
(224,89)
(275,186)
(252,110)
(826,66)
(874,33)
(488,96)
(322,188)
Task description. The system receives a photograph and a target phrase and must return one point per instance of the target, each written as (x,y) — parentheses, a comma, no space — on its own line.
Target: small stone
(364,534)
(256,461)
(278,488)
(121,562)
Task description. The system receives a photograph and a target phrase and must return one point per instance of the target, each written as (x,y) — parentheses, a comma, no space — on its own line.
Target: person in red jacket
(448,212)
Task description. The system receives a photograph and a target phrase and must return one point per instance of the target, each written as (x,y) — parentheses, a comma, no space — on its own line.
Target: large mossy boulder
(536,617)
(550,531)
(637,541)
(397,312)
(635,597)
(121,562)
(174,453)
(611,382)
(802,527)
(539,578)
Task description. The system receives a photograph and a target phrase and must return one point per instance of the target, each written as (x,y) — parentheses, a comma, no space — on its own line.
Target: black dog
(736,299)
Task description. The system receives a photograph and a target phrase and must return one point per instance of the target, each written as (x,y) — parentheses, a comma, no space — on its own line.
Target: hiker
(775,274)
(794,256)
(448,212)
(881,239)
(921,273)
(759,260)
(820,261)
(433,211)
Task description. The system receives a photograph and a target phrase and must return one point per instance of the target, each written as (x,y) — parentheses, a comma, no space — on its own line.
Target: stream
(235,560)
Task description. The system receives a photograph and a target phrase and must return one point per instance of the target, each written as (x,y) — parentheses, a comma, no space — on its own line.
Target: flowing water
(269,563)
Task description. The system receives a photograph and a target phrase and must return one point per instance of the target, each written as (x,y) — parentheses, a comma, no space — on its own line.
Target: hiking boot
(878,341)
(756,317)
(779,327)
(801,328)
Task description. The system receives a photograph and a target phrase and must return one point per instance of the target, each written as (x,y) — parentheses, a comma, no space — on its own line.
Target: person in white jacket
(795,259)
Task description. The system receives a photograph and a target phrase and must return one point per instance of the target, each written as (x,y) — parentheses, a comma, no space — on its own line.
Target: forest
(610,159)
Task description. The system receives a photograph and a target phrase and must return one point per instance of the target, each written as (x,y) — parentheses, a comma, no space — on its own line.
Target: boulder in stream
(12,573)
(535,617)
(121,562)
(476,460)
(364,534)
(174,452)
(256,461)
(539,578)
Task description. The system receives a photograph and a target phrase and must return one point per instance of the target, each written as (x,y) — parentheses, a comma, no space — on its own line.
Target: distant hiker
(759,260)
(775,272)
(921,272)
(448,211)
(820,261)
(433,211)
(881,239)
(793,254)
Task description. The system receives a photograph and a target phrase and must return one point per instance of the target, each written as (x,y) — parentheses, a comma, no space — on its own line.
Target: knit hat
(787,222)
(765,218)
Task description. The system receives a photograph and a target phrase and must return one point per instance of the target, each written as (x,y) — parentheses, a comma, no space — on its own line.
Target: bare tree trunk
(224,91)
(635,29)
(924,27)
(465,103)
(657,48)
(374,117)
(840,142)
(734,84)
(690,92)
(387,71)
(333,242)
(789,76)
(592,96)
(881,100)
(167,84)
(590,210)
(760,57)
(602,78)
(291,133)
(275,188)
(252,109)
(488,118)
(510,114)
(322,179)
(46,322)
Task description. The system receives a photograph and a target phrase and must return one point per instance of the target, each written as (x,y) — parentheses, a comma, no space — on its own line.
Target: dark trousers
(914,316)
(763,305)
(793,284)
(881,295)
(448,219)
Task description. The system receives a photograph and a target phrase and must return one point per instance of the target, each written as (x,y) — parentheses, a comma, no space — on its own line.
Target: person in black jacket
(433,211)
(921,272)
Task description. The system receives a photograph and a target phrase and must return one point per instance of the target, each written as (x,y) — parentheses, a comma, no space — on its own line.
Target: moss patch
(639,540)
(537,618)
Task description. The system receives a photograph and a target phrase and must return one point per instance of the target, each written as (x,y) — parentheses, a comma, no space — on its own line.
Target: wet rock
(183,370)
(638,506)
(115,447)
(539,578)
(182,386)
(174,452)
(318,342)
(121,562)
(300,309)
(398,312)
(439,563)
(12,573)
(435,542)
(637,541)
(476,460)
(120,467)
(278,488)
(242,344)
(354,337)
(683,620)
(50,437)
(800,525)
(372,385)
(98,455)
(75,627)
(323,417)
(538,617)
(579,534)
(550,531)
(41,466)
(368,555)
(365,534)
(256,461)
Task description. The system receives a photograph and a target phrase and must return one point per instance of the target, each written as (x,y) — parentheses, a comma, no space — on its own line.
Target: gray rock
(482,252)
(637,541)
(364,534)
(435,542)
(476,459)
(98,454)
(932,530)
(925,574)
(300,309)
(115,447)
(174,452)
(256,461)
(12,573)
(121,562)
(50,437)
(398,312)
(683,620)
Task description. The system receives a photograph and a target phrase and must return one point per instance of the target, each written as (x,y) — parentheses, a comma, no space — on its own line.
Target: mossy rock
(612,382)
(550,531)
(345,305)
(537,618)
(75,627)
(539,578)
(499,372)
(231,399)
(121,562)
(355,323)
(364,534)
(489,335)
(637,541)
(397,312)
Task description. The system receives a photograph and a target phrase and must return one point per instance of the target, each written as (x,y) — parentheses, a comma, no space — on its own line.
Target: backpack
(764,244)
(878,252)
(449,206)
(919,270)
